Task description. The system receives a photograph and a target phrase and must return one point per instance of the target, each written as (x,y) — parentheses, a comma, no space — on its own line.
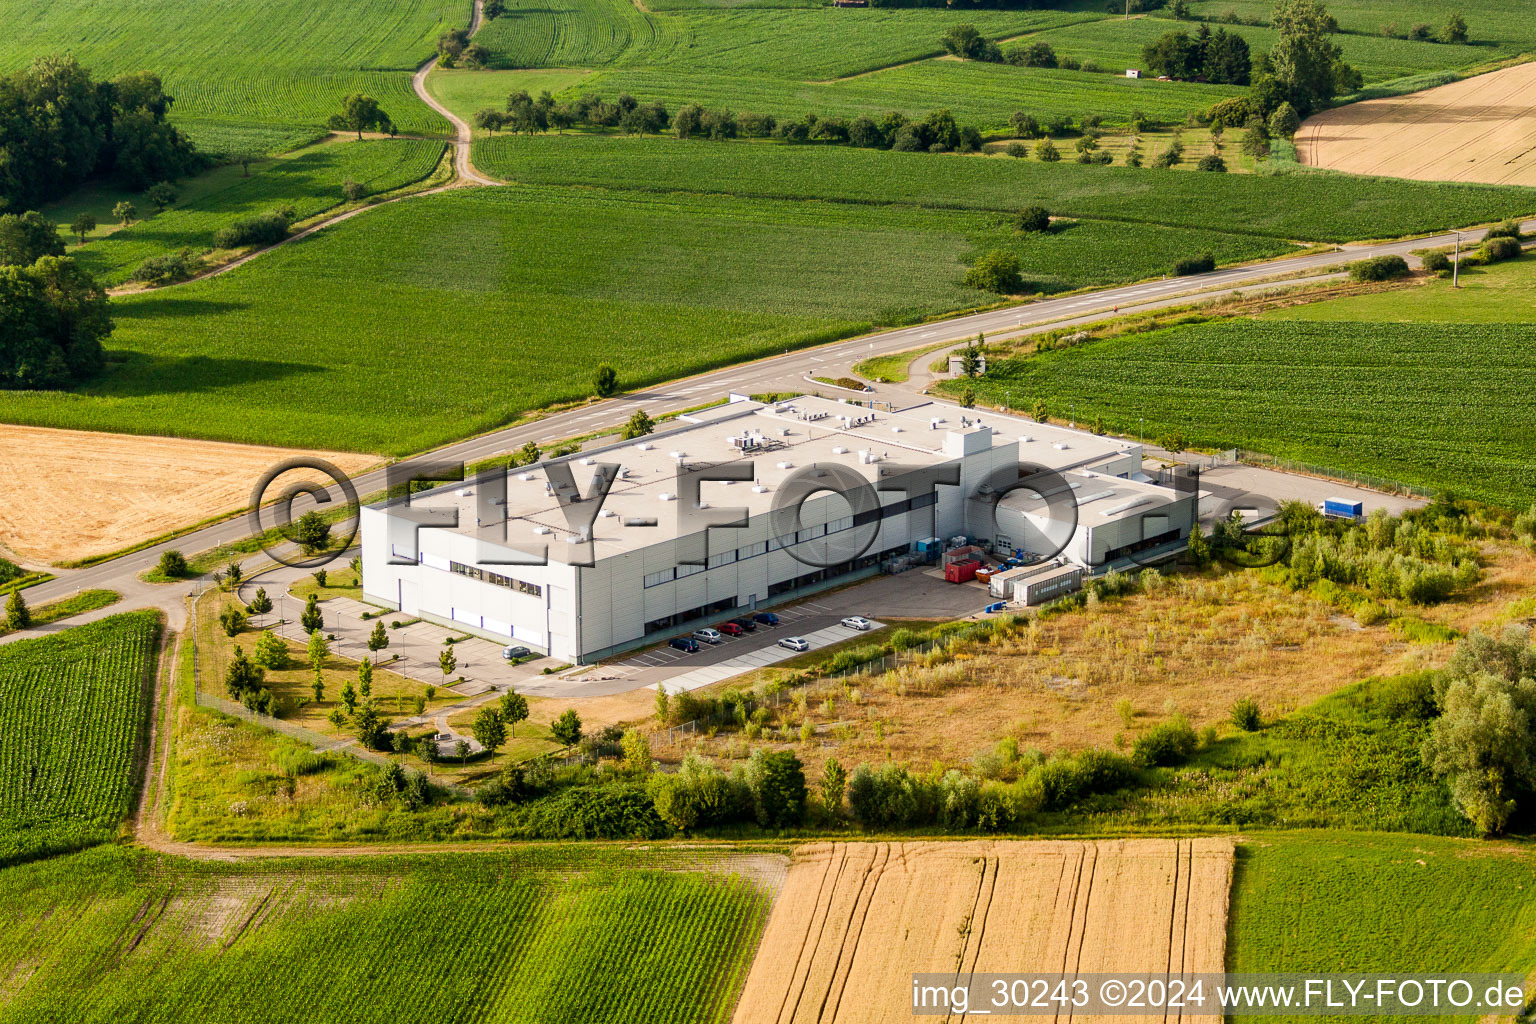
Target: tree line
(53,315)
(59,128)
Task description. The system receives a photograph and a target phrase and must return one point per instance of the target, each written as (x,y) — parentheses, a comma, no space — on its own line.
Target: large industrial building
(542,557)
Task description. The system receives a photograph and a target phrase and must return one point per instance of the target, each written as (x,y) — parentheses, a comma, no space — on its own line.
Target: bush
(167,267)
(1212,162)
(264,229)
(173,564)
(353,190)
(1167,743)
(1378,268)
(1245,715)
(1032,218)
(1201,264)
(1507,229)
(1499,248)
(1017,150)
(1062,781)
(997,271)
(615,811)
(1437,262)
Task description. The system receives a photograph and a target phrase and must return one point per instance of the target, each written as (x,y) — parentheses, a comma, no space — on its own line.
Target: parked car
(731,629)
(709,636)
(686,644)
(746,623)
(795,643)
(857,622)
(513,653)
(767,618)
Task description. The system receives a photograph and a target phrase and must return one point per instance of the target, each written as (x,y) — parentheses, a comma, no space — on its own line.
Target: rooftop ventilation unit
(667,496)
(895,430)
(677,455)
(588,461)
(607,513)
(624,474)
(644,446)
(1126,506)
(1095,496)
(783,431)
(463,492)
(1060,446)
(525,476)
(1025,439)
(760,489)
(839,450)
(542,530)
(868,457)
(786,465)
(933,424)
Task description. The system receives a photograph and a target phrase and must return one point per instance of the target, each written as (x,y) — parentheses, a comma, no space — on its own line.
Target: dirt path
(462,163)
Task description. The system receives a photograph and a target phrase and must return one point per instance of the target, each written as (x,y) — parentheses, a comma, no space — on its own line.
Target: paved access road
(782,372)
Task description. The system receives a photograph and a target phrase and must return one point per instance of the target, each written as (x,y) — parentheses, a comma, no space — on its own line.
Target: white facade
(514,571)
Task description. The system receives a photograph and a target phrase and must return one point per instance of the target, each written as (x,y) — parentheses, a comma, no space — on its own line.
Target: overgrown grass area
(380,333)
(519,936)
(1429,385)
(250,76)
(1308,206)
(308,180)
(1393,904)
(74,707)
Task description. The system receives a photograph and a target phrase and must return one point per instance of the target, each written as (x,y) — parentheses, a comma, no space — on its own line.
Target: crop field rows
(553,934)
(856,920)
(72,708)
(265,73)
(1298,206)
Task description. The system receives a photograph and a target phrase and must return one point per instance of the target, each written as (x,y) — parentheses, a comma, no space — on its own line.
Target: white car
(857,622)
(709,636)
(795,643)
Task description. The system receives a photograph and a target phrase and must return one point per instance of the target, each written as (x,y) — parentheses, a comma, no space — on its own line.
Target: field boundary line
(157,752)
(840,973)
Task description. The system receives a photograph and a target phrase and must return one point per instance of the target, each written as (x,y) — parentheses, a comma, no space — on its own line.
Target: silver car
(857,622)
(795,643)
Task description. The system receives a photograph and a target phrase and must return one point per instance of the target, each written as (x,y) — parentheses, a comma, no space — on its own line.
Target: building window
(838,525)
(496,579)
(752,550)
(722,558)
(656,579)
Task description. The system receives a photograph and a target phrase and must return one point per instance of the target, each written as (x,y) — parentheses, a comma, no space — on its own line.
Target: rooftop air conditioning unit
(525,476)
(1060,446)
(542,530)
(895,430)
(760,489)
(783,431)
(677,455)
(667,496)
(463,492)
(588,461)
(839,450)
(607,513)
(644,446)
(786,465)
(1025,438)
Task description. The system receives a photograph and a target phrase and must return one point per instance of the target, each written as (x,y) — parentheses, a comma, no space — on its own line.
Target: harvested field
(1479,129)
(70,494)
(854,921)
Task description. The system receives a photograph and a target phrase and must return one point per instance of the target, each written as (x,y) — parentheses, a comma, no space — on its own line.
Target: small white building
(590,554)
(1132,72)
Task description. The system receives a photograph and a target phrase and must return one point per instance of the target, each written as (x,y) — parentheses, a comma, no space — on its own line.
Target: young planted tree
(125,212)
(377,640)
(1037,411)
(637,752)
(312,533)
(527,455)
(662,704)
(489,730)
(317,686)
(365,677)
(320,576)
(312,618)
(337,718)
(243,676)
(567,728)
(834,780)
(348,697)
(514,709)
(161,195)
(271,651)
(233,572)
(447,660)
(318,648)
(233,621)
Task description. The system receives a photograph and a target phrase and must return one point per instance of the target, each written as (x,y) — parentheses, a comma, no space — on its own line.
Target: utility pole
(1141,431)
(1456,266)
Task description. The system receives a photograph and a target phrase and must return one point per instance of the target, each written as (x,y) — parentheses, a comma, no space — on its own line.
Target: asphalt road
(776,373)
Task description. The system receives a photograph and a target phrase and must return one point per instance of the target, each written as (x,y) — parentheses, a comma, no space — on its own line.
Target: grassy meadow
(308,179)
(549,934)
(248,75)
(74,706)
(470,300)
(1424,385)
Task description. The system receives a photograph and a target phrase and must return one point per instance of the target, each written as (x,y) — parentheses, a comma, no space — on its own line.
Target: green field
(73,708)
(548,934)
(439,317)
(307,179)
(1422,386)
(1367,902)
(1308,206)
(254,73)
(1495,25)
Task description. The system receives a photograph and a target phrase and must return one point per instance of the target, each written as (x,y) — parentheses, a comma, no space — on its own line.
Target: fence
(1367,480)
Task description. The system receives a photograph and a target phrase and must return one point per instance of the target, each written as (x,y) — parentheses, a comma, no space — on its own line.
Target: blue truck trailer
(1343,508)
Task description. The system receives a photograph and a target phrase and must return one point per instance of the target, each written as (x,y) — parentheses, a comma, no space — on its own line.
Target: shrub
(1245,715)
(1046,150)
(1506,229)
(621,811)
(1499,248)
(271,651)
(1437,262)
(997,271)
(1378,268)
(353,190)
(1032,218)
(1212,162)
(1017,150)
(1062,781)
(1201,264)
(1167,743)
(173,564)
(263,229)
(167,267)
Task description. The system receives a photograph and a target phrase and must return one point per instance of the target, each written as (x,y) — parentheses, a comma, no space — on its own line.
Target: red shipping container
(960,572)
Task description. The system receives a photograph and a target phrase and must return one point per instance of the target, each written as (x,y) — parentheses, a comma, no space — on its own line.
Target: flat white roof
(780,440)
